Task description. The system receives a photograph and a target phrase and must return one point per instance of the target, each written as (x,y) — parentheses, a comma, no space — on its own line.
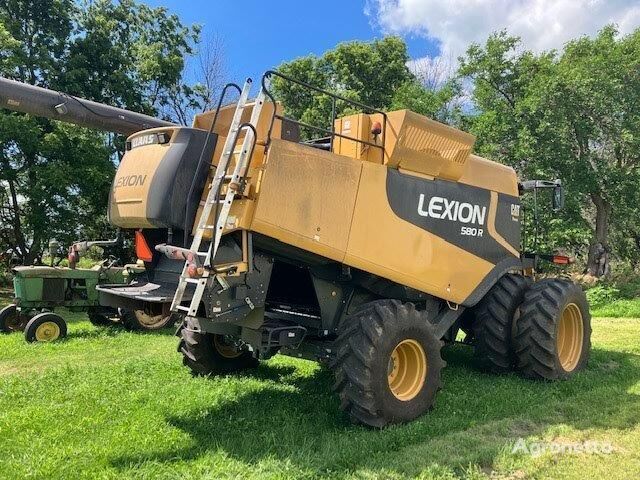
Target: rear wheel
(553,335)
(493,325)
(10,320)
(387,364)
(212,354)
(141,320)
(45,327)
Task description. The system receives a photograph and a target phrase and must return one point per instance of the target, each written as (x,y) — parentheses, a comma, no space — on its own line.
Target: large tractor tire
(45,327)
(138,320)
(210,354)
(11,321)
(553,333)
(387,364)
(493,325)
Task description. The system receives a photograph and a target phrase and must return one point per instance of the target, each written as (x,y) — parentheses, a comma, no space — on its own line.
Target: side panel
(306,198)
(392,237)
(463,215)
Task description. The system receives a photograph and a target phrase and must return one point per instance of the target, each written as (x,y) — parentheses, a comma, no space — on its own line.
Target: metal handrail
(334,98)
(201,159)
(246,125)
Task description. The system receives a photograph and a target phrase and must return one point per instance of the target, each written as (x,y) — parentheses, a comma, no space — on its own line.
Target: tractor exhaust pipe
(22,97)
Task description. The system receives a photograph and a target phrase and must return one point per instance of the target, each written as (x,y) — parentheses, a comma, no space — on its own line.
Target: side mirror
(557,201)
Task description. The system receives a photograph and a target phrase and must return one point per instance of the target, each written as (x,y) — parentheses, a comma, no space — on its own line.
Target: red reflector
(561,260)
(142,249)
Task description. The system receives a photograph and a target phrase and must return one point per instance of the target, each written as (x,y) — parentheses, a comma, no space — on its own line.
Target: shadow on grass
(296,420)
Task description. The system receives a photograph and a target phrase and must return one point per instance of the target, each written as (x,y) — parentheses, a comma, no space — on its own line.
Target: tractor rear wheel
(493,324)
(11,321)
(45,327)
(387,365)
(211,354)
(553,333)
(135,320)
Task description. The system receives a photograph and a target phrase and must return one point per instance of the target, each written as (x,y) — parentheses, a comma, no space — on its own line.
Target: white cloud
(542,24)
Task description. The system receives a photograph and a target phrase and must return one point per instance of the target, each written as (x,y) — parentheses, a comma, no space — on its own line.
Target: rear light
(143,251)
(562,260)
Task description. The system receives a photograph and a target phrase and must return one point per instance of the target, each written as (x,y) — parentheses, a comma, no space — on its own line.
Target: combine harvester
(39,290)
(366,249)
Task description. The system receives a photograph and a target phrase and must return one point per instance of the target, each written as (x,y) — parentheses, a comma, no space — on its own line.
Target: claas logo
(130,181)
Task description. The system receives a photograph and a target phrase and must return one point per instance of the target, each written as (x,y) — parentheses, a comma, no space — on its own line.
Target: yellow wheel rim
(47,332)
(149,321)
(224,348)
(570,337)
(407,370)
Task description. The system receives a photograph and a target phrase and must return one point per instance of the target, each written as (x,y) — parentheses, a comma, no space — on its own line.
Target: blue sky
(259,35)
(271,32)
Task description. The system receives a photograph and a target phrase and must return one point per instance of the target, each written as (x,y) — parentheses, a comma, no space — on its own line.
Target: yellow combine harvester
(364,249)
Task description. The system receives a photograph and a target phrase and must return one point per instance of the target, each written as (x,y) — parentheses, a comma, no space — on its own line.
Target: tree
(56,177)
(366,72)
(208,68)
(572,115)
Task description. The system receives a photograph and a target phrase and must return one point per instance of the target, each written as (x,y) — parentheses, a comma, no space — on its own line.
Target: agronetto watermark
(536,449)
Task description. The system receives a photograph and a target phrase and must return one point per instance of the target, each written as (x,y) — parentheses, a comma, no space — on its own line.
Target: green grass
(620,308)
(110,404)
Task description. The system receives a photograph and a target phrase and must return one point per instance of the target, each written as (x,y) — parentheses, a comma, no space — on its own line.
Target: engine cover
(160,180)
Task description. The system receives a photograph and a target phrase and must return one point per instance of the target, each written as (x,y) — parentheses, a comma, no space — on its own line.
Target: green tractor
(40,290)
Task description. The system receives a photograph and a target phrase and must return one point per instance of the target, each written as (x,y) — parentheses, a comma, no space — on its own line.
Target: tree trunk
(14,212)
(598,260)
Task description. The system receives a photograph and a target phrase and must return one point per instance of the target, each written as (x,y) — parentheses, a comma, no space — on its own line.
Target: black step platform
(133,294)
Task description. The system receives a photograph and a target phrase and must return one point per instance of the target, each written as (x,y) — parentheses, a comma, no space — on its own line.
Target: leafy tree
(372,73)
(572,115)
(56,177)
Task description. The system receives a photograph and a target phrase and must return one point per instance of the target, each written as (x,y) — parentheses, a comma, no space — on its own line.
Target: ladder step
(184,309)
(192,280)
(223,178)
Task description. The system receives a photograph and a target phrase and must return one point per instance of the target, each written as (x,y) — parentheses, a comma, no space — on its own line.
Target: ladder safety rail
(194,271)
(334,98)
(241,164)
(219,177)
(219,106)
(201,160)
(231,178)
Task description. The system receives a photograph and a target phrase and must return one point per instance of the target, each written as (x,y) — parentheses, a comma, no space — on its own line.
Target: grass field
(110,404)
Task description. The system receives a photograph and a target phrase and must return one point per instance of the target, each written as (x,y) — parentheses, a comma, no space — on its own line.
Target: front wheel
(493,325)
(45,327)
(553,333)
(212,354)
(387,364)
